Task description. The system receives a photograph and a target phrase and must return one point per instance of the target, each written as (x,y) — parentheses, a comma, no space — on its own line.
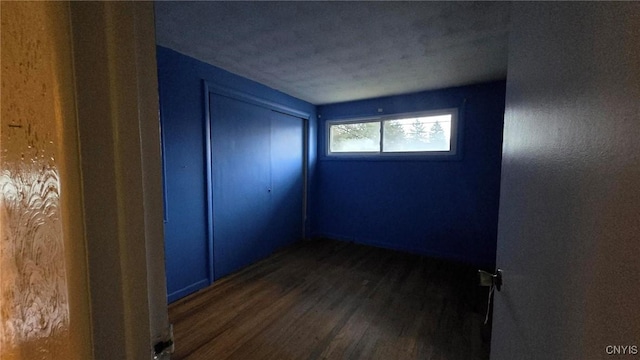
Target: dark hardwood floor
(334,300)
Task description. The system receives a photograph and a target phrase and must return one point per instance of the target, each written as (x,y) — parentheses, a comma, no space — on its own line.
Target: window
(427,133)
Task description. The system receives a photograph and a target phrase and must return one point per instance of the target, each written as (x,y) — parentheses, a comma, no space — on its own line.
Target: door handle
(493,281)
(488,279)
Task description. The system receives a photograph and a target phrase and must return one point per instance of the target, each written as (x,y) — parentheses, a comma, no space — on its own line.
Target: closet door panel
(240,144)
(287,183)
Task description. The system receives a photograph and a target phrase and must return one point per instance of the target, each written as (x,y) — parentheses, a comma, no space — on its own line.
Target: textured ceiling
(327,52)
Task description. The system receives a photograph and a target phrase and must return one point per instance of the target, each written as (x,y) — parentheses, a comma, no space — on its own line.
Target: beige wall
(82,265)
(44,308)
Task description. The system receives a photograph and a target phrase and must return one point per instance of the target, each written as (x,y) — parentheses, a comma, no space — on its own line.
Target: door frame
(212,88)
(118,127)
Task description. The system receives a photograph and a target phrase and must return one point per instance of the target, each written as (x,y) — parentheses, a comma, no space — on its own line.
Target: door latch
(488,279)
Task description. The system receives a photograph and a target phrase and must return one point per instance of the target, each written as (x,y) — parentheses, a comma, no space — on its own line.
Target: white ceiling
(327,52)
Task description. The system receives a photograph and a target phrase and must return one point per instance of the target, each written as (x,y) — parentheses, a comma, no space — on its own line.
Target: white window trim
(454,140)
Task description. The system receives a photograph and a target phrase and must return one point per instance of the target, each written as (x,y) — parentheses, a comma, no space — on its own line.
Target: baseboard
(409,249)
(176,295)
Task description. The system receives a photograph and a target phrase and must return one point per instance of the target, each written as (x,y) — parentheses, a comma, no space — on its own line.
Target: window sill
(404,157)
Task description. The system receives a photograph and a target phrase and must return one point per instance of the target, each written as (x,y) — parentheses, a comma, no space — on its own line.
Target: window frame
(454,141)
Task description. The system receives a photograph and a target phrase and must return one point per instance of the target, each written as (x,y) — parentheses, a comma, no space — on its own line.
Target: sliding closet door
(257,179)
(240,145)
(287,182)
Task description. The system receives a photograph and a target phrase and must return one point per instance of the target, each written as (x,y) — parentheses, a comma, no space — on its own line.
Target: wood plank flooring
(326,299)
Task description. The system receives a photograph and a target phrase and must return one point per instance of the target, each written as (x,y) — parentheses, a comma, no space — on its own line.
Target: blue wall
(443,208)
(182,115)
(439,208)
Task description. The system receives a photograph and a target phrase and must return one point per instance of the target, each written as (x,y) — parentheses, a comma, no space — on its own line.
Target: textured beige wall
(79,82)
(44,309)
